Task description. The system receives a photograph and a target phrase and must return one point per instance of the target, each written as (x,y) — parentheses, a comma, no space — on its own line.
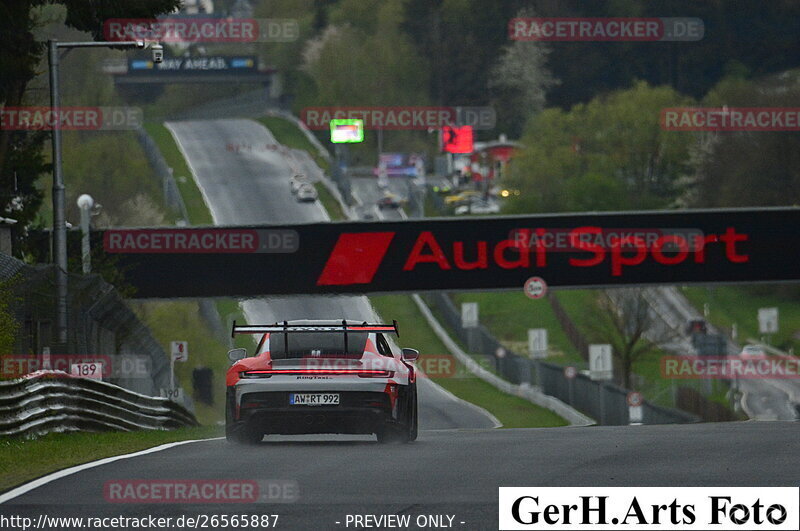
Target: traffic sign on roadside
(179,350)
(93,370)
(175,394)
(535,287)
(635,398)
(537,342)
(570,372)
(469,314)
(600,364)
(767,320)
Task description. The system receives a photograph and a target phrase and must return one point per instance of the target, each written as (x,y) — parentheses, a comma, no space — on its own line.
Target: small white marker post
(768,322)
(469,315)
(93,370)
(179,351)
(635,411)
(601,368)
(45,357)
(570,373)
(537,343)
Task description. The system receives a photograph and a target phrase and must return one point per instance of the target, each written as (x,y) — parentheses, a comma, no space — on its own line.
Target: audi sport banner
(741,245)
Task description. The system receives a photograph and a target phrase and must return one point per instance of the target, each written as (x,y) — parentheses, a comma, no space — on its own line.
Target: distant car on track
(752,352)
(321,377)
(297,181)
(389,201)
(307,193)
(478,207)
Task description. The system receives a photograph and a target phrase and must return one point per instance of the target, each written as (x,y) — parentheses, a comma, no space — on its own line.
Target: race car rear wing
(286,328)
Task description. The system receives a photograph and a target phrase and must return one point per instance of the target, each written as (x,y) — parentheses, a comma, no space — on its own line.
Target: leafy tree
(749,168)
(368,63)
(520,79)
(762,36)
(623,319)
(21,55)
(608,154)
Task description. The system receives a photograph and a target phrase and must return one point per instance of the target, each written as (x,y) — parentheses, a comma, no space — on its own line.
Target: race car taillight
(362,373)
(254,374)
(377,374)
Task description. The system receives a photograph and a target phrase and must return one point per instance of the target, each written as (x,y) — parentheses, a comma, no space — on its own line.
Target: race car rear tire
(414,424)
(406,431)
(238,432)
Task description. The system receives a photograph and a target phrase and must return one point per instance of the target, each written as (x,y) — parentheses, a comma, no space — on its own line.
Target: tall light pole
(59,206)
(85,203)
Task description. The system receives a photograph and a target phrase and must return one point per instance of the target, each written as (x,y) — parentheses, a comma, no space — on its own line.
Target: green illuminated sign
(347,131)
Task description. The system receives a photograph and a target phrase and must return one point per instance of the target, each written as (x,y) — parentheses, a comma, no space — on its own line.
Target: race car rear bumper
(359,412)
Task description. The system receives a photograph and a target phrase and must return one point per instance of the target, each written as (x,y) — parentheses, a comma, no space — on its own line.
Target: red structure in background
(492,157)
(457,139)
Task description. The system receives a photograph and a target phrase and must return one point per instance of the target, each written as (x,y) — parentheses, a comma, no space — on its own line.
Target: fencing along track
(35,406)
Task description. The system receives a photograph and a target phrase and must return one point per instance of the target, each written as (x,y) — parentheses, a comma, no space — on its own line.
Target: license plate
(313,399)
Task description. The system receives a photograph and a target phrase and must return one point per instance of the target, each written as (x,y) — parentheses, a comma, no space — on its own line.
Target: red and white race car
(321,377)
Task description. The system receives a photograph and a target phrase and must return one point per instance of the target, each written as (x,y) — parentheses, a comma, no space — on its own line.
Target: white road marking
(322,210)
(36,483)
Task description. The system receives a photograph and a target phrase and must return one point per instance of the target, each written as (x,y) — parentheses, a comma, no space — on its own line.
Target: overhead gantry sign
(581,250)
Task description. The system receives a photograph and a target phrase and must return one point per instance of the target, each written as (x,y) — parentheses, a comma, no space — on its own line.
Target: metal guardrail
(172,195)
(602,401)
(37,406)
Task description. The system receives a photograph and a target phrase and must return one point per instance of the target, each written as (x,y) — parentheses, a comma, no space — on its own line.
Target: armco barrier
(41,405)
(602,401)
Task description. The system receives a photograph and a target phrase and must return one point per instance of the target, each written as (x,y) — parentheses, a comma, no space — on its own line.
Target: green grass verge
(22,460)
(729,305)
(512,411)
(198,211)
(230,310)
(181,321)
(288,134)
(330,203)
(509,315)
